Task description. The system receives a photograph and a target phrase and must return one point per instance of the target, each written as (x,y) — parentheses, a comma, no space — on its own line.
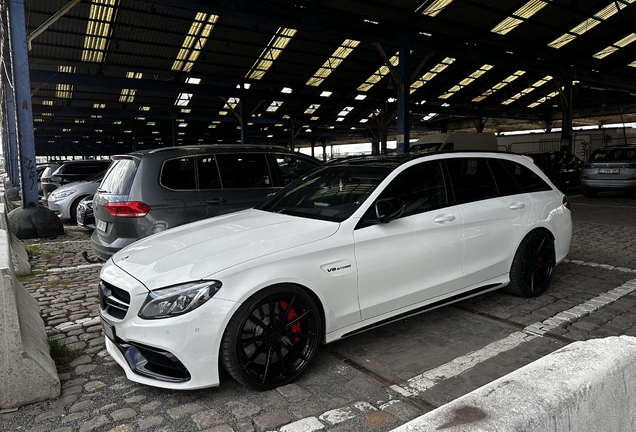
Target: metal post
(375,146)
(242,122)
(323,142)
(313,145)
(292,138)
(174,132)
(566,126)
(22,88)
(403,103)
(383,130)
(11,160)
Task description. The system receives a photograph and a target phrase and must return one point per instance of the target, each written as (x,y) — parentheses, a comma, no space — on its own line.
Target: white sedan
(354,244)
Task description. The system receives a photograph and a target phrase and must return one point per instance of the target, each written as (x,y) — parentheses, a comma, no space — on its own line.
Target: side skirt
(419,310)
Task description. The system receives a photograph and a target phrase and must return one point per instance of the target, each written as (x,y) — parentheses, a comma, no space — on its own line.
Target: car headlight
(62,194)
(178,300)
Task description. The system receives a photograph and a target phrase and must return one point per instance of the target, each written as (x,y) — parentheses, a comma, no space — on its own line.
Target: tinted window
(473,179)
(208,173)
(613,154)
(244,170)
(525,177)
(291,167)
(421,187)
(506,183)
(119,177)
(178,174)
(71,169)
(95,168)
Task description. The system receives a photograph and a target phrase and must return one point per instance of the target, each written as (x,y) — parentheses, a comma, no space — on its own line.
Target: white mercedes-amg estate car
(352,245)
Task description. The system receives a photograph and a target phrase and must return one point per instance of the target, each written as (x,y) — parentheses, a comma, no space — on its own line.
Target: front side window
(244,170)
(421,187)
(291,167)
(473,180)
(333,193)
(178,174)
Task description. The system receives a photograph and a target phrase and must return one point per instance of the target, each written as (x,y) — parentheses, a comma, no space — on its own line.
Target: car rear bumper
(105,250)
(607,184)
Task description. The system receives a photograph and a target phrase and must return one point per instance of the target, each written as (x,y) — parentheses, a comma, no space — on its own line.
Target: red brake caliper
(291,315)
(540,260)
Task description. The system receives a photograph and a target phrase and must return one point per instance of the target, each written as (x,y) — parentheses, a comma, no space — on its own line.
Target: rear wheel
(272,337)
(589,193)
(533,265)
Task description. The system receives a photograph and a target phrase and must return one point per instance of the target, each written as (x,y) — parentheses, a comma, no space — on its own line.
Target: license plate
(609,170)
(101,225)
(109,329)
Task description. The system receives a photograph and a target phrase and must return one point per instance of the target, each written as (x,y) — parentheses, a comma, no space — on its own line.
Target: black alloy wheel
(272,337)
(533,265)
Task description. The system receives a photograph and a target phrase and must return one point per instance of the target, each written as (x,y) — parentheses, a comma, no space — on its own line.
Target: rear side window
(71,169)
(473,180)
(178,174)
(525,177)
(119,178)
(244,170)
(608,154)
(291,167)
(506,183)
(209,177)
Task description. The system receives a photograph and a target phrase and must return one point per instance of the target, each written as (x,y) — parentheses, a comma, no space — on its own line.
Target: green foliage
(61,354)
(33,250)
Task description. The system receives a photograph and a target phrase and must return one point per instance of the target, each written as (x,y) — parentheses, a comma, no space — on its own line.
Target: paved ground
(370,382)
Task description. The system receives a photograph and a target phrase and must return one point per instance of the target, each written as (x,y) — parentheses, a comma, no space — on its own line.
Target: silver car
(609,169)
(63,201)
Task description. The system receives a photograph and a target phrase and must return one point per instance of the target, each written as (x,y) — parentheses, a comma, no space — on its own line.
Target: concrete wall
(585,386)
(27,372)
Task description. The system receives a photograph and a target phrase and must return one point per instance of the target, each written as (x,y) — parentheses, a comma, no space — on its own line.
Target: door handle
(444,218)
(517,206)
(216,201)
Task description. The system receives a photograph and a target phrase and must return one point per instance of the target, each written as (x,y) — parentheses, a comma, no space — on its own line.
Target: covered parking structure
(112,76)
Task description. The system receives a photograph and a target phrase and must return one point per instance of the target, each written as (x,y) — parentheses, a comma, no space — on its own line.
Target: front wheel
(533,265)
(272,337)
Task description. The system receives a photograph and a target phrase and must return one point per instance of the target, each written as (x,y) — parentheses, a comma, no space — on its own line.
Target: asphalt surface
(373,381)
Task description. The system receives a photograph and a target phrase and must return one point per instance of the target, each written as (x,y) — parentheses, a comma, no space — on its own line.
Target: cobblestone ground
(97,396)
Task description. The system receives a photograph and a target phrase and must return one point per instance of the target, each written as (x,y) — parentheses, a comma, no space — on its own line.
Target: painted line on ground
(461,364)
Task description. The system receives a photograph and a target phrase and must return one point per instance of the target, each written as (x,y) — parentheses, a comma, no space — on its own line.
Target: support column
(323,143)
(403,103)
(383,130)
(11,155)
(29,221)
(480,123)
(292,138)
(566,127)
(375,146)
(313,145)
(242,121)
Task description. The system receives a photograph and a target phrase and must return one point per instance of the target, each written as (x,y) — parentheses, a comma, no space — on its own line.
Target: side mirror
(389,209)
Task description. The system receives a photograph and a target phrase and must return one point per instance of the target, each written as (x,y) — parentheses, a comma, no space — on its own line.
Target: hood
(200,249)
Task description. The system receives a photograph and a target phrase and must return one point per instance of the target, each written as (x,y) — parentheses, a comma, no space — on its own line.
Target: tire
(589,193)
(533,265)
(256,340)
(73,209)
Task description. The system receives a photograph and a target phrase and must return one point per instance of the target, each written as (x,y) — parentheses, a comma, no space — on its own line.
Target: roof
(111,76)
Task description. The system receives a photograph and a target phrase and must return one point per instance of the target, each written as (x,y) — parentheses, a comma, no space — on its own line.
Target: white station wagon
(352,245)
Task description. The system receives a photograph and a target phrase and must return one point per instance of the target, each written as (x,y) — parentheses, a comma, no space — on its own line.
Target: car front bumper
(180,353)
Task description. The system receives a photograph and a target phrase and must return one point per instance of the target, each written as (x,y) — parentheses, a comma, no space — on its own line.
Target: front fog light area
(178,300)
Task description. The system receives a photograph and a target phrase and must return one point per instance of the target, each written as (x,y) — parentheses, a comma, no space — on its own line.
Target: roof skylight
(269,55)
(543,99)
(499,86)
(432,73)
(128,95)
(519,16)
(590,23)
(466,81)
(274,106)
(64,91)
(333,62)
(194,42)
(435,7)
(100,16)
(615,46)
(379,74)
(530,89)
(312,108)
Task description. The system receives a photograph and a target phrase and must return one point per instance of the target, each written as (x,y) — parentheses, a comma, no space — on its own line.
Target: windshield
(614,154)
(331,194)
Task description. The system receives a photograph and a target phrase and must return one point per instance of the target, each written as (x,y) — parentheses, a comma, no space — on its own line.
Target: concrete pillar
(403,103)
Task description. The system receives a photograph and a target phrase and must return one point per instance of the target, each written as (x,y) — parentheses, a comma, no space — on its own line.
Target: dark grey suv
(150,191)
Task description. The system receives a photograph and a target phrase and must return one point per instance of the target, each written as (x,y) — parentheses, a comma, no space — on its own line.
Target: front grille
(113,301)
